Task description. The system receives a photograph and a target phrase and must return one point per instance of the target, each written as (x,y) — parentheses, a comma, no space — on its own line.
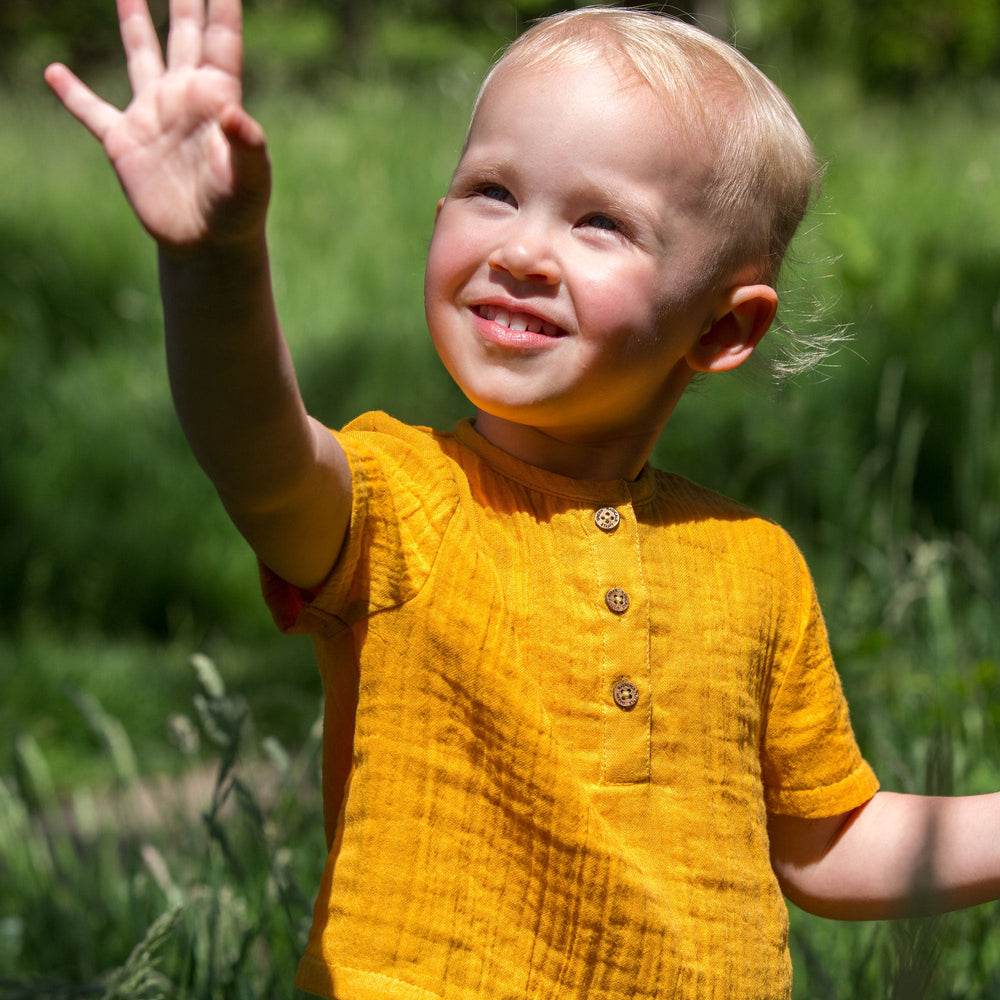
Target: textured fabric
(499,827)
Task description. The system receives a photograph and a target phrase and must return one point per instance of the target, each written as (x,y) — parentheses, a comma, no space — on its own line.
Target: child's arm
(195,170)
(895,856)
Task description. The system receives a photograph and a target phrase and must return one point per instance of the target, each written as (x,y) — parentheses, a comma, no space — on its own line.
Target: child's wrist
(246,250)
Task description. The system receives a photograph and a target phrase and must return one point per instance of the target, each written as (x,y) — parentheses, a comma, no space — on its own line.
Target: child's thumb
(248,149)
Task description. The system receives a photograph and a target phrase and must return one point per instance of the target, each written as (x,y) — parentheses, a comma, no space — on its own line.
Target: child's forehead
(620,78)
(615,78)
(586,128)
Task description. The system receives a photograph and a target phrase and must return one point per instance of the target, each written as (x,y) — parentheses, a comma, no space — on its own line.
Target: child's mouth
(518,321)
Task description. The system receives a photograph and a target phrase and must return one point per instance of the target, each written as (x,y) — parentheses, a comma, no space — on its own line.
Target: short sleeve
(403,496)
(812,766)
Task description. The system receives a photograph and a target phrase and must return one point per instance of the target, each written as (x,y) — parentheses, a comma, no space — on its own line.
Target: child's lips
(522,328)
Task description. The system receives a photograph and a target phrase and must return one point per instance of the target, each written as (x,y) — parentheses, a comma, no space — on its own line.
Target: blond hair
(765,172)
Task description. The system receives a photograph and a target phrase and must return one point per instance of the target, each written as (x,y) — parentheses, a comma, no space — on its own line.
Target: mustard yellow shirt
(557,712)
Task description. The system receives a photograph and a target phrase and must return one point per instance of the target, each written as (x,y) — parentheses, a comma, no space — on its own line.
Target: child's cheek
(620,300)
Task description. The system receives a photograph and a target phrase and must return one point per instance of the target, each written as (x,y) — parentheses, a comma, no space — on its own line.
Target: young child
(582,726)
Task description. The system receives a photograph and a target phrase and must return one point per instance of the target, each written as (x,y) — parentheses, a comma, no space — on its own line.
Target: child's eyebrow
(480,165)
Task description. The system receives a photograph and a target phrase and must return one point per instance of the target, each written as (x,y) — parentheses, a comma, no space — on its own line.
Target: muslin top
(556,715)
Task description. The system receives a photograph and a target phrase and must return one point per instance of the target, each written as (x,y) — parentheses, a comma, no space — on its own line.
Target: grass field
(118,565)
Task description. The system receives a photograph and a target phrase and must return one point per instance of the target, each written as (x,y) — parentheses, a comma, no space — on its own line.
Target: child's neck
(598,459)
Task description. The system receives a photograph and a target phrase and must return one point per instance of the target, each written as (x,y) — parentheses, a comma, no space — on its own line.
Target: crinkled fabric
(498,826)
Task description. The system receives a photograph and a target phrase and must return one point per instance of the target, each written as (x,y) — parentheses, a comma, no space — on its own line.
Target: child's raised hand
(192,162)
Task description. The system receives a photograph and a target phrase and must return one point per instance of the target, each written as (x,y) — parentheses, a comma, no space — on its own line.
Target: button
(625,693)
(617,600)
(607,518)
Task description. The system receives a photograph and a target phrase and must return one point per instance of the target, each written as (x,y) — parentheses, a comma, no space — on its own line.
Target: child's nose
(526,256)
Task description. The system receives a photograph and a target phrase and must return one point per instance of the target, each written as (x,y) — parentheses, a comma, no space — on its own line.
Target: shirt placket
(621,600)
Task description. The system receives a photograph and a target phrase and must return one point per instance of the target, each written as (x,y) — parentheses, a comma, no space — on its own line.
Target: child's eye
(605,223)
(495,192)
(602,222)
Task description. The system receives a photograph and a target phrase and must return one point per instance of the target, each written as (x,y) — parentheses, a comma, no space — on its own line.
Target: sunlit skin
(570,289)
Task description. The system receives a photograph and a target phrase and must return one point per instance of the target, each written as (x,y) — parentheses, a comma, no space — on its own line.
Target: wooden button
(625,693)
(607,519)
(617,600)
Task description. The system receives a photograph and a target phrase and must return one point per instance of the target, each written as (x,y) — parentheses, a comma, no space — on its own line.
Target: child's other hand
(192,163)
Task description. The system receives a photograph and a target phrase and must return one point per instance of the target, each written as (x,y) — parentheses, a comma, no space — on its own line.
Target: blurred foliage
(894,45)
(338,34)
(196,889)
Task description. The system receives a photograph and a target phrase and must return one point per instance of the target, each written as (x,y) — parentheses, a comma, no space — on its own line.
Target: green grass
(118,563)
(107,894)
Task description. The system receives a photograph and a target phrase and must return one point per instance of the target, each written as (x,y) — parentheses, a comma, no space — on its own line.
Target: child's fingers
(142,47)
(224,36)
(96,115)
(185,38)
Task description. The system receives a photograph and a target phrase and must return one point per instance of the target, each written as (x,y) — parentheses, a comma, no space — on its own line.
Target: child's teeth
(514,321)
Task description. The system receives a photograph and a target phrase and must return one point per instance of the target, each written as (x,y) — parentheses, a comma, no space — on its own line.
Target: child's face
(569,274)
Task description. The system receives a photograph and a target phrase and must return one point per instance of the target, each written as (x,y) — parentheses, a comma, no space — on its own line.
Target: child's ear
(743,317)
